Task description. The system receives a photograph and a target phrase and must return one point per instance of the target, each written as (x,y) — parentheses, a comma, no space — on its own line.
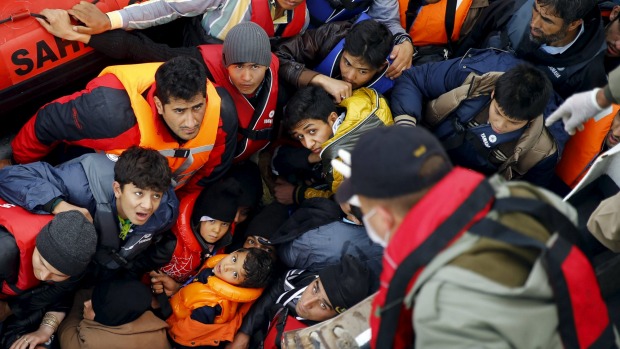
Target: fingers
(83,30)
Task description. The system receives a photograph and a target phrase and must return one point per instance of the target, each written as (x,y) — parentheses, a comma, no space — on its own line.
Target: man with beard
(564,38)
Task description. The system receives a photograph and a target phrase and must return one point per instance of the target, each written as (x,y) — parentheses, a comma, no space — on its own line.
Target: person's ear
(331,119)
(117,189)
(159,105)
(614,13)
(574,25)
(388,220)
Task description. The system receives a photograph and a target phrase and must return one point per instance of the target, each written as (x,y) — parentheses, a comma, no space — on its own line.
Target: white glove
(576,110)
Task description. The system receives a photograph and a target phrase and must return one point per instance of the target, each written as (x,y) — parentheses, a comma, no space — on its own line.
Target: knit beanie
(247,42)
(119,302)
(248,176)
(68,242)
(346,284)
(220,201)
(268,221)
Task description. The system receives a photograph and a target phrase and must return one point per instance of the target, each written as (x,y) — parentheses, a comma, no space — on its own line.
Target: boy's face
(183,117)
(613,137)
(45,271)
(500,122)
(355,70)
(313,304)
(136,204)
(88,312)
(312,133)
(254,241)
(247,77)
(213,230)
(230,268)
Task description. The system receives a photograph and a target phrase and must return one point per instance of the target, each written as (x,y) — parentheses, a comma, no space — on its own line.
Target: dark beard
(547,39)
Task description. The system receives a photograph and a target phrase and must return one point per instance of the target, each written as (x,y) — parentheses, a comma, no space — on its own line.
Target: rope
(26,13)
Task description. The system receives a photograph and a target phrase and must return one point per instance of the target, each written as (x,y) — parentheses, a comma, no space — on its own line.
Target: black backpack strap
(449,22)
(421,256)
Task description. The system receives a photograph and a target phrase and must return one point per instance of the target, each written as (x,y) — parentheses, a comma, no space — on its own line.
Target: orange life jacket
(184,159)
(234,301)
(255,125)
(24,226)
(429,27)
(583,148)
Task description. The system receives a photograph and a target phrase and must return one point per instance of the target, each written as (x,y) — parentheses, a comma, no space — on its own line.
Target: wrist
(49,324)
(601,99)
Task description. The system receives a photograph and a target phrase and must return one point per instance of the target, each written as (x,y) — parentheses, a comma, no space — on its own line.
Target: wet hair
(258,267)
(568,10)
(370,40)
(310,102)
(523,92)
(144,167)
(180,78)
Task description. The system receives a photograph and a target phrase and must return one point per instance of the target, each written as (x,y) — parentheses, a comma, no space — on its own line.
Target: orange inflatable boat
(32,61)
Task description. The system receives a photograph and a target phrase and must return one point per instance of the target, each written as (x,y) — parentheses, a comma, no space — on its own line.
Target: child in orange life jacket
(210,308)
(202,229)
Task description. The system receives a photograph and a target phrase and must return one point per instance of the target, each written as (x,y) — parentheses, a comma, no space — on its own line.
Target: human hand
(576,110)
(4,163)
(162,283)
(33,339)
(314,158)
(94,20)
(283,192)
(241,341)
(402,57)
(58,23)
(5,311)
(336,88)
(64,206)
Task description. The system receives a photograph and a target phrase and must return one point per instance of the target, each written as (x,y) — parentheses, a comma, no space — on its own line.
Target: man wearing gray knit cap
(244,66)
(34,248)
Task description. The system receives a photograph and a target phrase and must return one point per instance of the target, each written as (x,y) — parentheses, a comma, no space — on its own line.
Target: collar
(553,50)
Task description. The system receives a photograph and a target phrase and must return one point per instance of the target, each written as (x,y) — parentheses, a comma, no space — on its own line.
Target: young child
(323,128)
(203,227)
(210,309)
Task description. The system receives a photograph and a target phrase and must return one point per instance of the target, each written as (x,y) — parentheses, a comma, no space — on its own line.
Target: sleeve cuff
(116,20)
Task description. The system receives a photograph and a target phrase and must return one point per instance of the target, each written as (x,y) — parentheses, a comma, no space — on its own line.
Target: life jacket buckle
(181,153)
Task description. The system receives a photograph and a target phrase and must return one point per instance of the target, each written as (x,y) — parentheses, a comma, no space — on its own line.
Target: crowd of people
(254,167)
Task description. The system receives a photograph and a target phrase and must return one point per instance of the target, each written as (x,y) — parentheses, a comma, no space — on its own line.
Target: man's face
(230,268)
(612,33)
(288,4)
(613,136)
(312,133)
(247,77)
(500,122)
(212,230)
(183,117)
(44,271)
(88,312)
(355,70)
(313,304)
(136,204)
(254,241)
(546,27)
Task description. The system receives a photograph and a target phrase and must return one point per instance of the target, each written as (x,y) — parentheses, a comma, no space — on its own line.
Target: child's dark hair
(370,40)
(180,78)
(144,167)
(258,267)
(523,92)
(310,102)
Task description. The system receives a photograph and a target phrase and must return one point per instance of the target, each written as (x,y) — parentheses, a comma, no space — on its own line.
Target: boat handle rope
(25,14)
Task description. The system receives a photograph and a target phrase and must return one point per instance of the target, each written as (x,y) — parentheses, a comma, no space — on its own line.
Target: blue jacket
(87,182)
(423,83)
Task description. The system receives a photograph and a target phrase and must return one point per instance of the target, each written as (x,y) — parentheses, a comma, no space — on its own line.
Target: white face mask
(372,233)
